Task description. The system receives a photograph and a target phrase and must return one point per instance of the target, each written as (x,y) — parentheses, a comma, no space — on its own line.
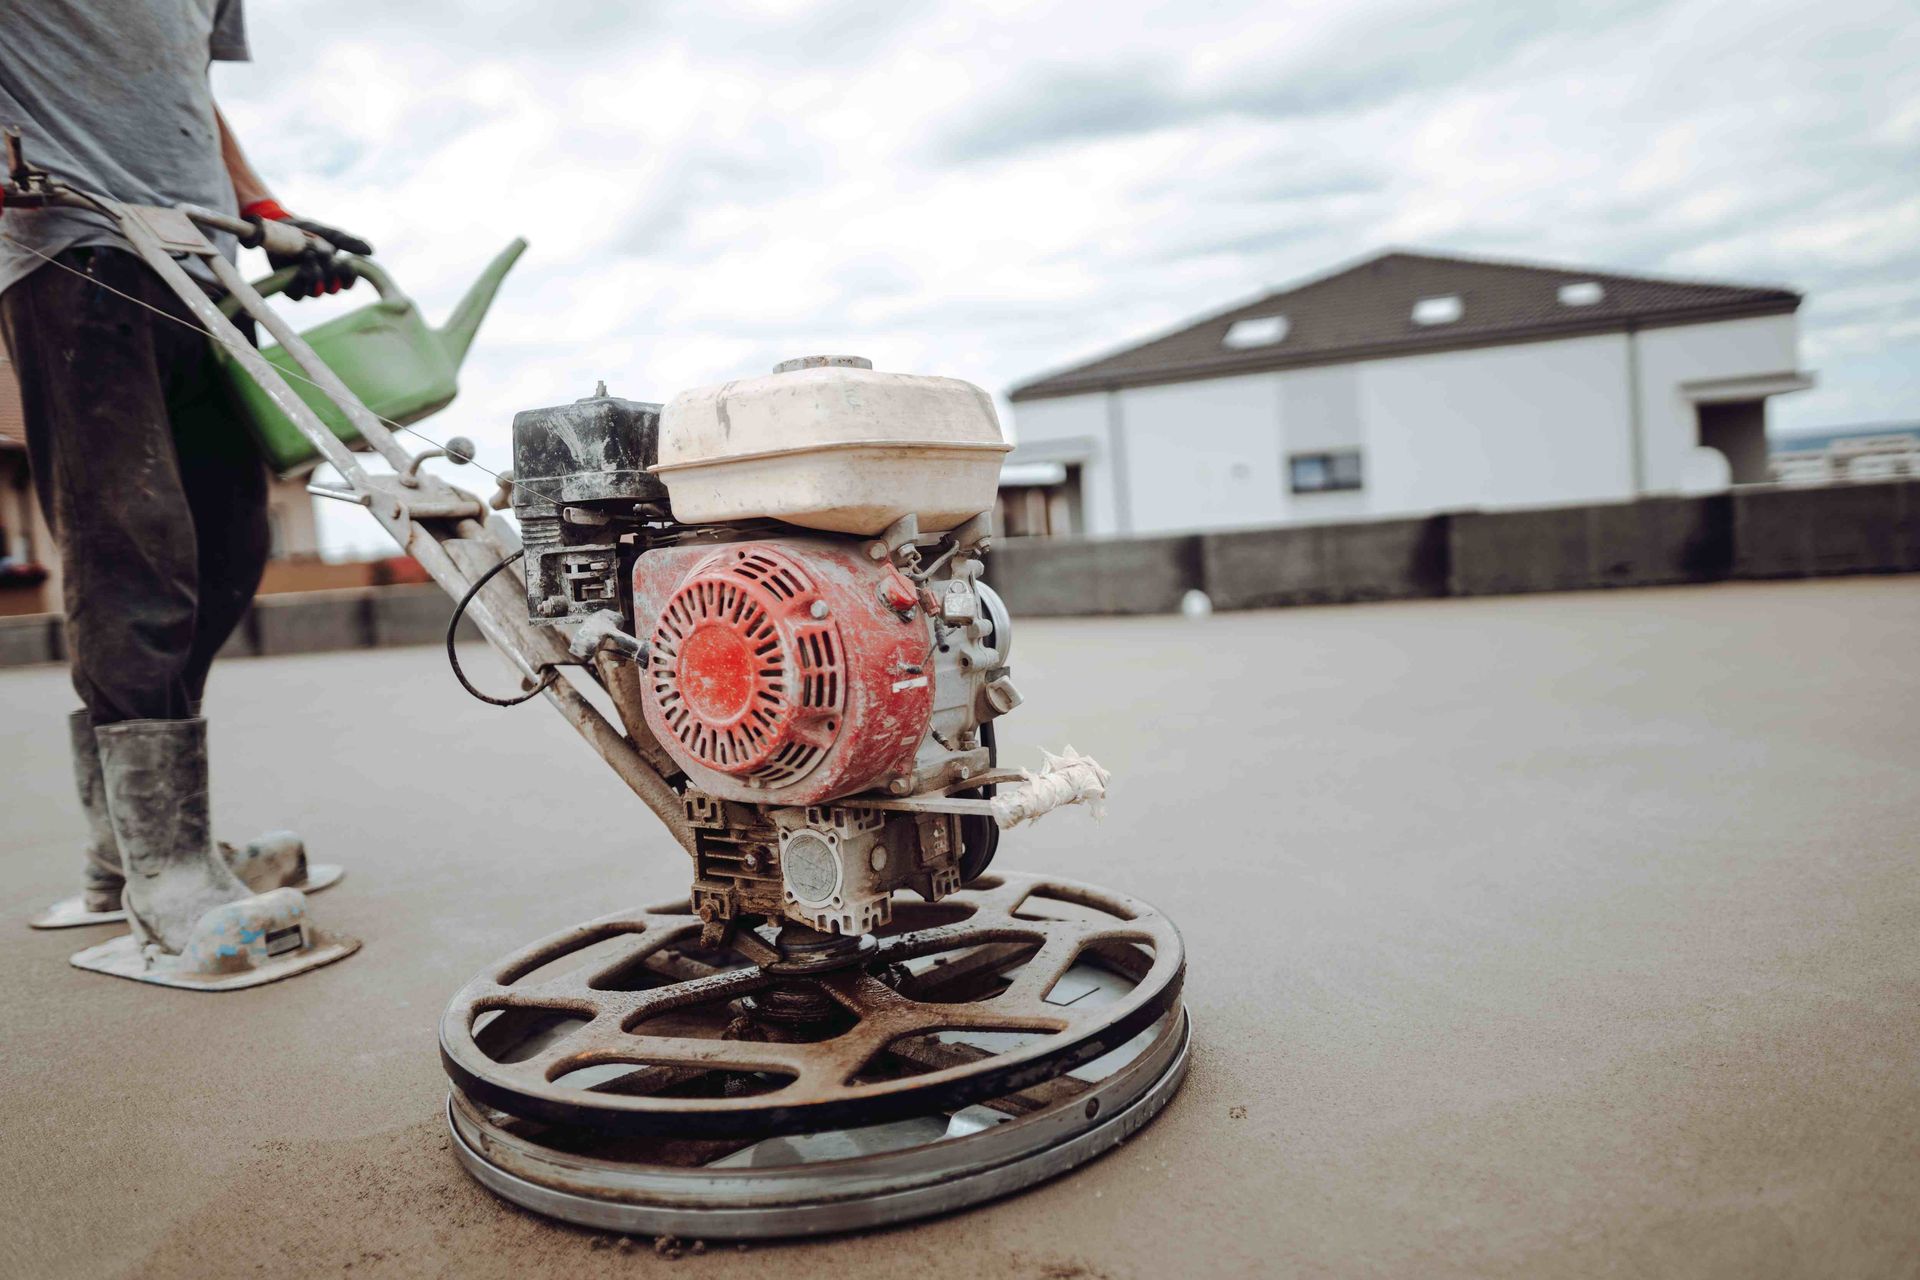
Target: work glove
(320,271)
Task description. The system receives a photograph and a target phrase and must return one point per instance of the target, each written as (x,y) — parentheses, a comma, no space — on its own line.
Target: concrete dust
(1545,936)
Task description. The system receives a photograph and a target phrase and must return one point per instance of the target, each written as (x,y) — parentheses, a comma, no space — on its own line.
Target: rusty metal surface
(876,1064)
(846,1180)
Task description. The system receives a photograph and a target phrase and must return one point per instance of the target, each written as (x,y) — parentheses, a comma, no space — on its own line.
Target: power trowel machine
(855,1016)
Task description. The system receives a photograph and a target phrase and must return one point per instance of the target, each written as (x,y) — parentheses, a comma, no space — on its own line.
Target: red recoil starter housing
(784,672)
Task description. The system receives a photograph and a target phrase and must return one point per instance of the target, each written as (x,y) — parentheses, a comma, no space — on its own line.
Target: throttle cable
(453,659)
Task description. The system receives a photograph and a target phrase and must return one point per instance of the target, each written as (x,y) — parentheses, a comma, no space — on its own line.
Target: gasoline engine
(806,616)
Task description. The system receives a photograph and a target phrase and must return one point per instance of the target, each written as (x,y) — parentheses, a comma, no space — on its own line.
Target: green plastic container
(385,353)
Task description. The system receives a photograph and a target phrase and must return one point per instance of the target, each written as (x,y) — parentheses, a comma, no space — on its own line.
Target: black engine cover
(591,451)
(580,474)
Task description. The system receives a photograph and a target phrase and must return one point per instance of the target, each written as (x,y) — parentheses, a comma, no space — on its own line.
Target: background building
(26,548)
(1866,452)
(1409,383)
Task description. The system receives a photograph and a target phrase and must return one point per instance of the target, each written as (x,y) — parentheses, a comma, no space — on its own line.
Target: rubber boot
(156,787)
(271,860)
(104,880)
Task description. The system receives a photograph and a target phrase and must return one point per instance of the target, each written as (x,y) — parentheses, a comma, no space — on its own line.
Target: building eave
(1239,364)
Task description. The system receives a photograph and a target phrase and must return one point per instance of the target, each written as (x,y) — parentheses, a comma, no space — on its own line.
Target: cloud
(994,188)
(1267,69)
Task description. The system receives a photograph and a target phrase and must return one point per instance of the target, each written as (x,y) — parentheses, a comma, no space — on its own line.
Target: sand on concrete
(1550,936)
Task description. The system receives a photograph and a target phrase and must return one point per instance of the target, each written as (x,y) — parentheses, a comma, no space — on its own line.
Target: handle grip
(267,286)
(280,237)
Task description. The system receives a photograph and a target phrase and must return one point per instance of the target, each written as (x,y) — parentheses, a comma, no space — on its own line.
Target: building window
(1324,472)
(1444,309)
(1261,331)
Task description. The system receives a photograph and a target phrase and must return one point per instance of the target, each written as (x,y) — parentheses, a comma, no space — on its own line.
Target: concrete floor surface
(1564,935)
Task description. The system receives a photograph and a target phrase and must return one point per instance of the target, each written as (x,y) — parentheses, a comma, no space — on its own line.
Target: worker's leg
(93,368)
(226,488)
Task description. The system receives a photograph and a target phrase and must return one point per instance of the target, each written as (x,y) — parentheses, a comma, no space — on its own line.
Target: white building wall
(1538,423)
(1531,424)
(1671,358)
(1201,454)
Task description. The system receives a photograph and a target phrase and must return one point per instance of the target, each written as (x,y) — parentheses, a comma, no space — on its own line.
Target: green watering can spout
(456,335)
(385,352)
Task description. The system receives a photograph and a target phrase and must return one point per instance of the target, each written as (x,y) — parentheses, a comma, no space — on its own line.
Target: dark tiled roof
(1365,311)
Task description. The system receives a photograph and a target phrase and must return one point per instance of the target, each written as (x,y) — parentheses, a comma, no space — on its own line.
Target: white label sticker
(914,683)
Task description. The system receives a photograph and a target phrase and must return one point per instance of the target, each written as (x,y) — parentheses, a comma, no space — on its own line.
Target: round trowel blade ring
(824,1094)
(840,1195)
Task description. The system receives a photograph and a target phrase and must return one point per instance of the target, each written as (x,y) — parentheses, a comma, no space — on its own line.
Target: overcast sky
(993,190)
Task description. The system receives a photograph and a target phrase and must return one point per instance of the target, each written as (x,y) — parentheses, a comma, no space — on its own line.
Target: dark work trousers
(163,532)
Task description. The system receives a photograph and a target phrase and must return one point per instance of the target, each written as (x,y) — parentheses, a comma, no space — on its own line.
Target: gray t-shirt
(113,97)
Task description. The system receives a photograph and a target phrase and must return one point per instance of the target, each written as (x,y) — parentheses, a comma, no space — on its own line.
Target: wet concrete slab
(1541,936)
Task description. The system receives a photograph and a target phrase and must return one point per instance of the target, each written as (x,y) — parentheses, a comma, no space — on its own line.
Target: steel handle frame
(445,529)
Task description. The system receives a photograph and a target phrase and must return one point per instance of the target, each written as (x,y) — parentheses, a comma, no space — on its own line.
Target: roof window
(1261,331)
(1583,293)
(1444,309)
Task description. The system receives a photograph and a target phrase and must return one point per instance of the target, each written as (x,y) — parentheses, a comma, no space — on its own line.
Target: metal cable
(453,658)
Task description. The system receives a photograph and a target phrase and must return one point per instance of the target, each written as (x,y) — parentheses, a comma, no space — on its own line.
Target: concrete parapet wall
(1325,564)
(313,622)
(1759,532)
(1652,542)
(307,622)
(29,638)
(1048,576)
(1782,532)
(413,615)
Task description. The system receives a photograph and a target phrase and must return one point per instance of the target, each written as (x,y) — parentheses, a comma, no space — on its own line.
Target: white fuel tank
(827,443)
